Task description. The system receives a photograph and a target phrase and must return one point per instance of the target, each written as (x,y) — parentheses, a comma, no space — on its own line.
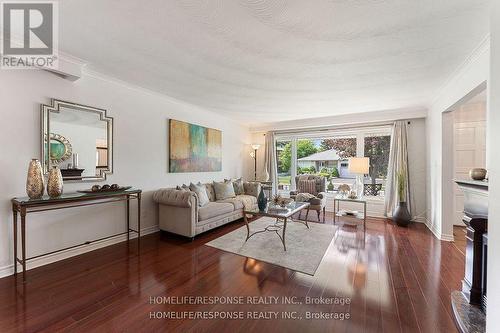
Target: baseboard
(50,258)
(438,235)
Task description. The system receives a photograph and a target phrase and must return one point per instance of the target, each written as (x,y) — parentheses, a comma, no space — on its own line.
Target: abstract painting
(194,148)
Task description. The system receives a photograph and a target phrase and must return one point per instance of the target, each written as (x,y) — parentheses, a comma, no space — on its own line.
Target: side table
(336,207)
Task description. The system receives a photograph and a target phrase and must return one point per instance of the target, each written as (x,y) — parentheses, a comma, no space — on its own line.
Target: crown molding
(475,56)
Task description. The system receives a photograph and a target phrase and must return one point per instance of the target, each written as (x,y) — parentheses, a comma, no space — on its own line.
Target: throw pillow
(210,191)
(238,186)
(201,192)
(184,187)
(224,190)
(252,188)
(307,186)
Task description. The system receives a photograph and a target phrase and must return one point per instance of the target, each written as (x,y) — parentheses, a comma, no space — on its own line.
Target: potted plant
(401,215)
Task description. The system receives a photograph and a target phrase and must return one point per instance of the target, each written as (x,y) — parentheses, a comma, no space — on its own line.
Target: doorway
(464,148)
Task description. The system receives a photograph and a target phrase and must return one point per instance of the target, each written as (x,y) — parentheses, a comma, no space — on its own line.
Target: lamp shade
(255,146)
(359,165)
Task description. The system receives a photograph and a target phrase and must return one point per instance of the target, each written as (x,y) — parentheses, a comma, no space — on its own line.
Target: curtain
(398,163)
(270,165)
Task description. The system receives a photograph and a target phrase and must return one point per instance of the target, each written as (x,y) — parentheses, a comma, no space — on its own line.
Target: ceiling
(261,61)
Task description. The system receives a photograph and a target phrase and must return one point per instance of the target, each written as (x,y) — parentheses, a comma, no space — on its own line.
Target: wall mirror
(78,139)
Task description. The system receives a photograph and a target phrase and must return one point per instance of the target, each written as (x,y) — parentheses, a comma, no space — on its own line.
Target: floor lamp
(359,166)
(255,147)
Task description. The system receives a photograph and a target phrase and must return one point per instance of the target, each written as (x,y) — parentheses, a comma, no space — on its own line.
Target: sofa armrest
(321,195)
(177,198)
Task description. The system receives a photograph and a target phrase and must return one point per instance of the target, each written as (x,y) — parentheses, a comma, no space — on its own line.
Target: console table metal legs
(23,210)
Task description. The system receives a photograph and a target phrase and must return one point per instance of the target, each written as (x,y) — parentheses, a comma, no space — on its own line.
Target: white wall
(417,151)
(471,75)
(493,138)
(140,153)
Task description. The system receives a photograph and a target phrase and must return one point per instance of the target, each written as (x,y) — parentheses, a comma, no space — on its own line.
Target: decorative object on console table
(401,215)
(255,147)
(262,200)
(55,182)
(472,298)
(75,161)
(359,166)
(478,174)
(34,180)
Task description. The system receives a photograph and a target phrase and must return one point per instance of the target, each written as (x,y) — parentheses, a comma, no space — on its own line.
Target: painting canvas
(194,148)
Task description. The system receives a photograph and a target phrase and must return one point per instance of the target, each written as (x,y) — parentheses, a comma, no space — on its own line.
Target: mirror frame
(55,107)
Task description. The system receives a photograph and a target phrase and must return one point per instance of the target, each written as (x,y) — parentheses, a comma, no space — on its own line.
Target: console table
(469,304)
(25,205)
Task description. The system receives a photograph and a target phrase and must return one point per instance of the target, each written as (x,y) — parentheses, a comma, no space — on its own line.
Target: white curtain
(398,163)
(270,165)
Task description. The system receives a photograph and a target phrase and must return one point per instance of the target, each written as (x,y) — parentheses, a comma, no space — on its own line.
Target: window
(377,148)
(284,161)
(328,155)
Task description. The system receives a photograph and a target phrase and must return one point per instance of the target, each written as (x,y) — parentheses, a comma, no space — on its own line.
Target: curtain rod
(329,128)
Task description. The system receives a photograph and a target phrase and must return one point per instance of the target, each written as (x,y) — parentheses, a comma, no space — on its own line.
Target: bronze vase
(34,180)
(55,182)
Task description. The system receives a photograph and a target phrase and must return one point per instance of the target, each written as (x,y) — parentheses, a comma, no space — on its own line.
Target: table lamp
(359,166)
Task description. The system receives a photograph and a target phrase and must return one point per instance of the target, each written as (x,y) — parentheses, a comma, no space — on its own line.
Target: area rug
(305,248)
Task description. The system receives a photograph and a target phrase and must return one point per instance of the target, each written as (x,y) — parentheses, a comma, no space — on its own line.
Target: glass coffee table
(282,215)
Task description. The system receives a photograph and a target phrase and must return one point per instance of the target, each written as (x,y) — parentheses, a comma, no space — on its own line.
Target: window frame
(359,132)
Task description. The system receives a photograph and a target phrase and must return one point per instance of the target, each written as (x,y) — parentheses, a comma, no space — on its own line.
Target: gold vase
(34,181)
(55,182)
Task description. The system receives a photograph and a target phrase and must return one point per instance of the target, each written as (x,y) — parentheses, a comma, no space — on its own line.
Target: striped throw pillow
(307,186)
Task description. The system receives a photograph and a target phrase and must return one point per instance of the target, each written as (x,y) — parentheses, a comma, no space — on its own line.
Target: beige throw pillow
(201,192)
(252,188)
(223,190)
(238,186)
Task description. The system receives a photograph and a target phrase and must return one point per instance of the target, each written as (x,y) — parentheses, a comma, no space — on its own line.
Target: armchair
(315,186)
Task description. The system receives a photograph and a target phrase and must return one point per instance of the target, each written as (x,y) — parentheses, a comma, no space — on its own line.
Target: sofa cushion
(248,201)
(223,190)
(252,188)
(307,186)
(213,209)
(184,187)
(210,191)
(201,192)
(237,185)
(237,203)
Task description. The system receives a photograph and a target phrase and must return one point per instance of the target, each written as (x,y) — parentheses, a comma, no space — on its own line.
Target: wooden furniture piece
(25,205)
(474,281)
(336,208)
(282,215)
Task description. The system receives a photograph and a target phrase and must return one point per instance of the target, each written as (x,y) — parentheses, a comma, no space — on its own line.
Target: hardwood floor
(459,238)
(398,280)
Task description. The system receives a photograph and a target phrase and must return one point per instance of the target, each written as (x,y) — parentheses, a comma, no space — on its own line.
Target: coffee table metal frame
(281,220)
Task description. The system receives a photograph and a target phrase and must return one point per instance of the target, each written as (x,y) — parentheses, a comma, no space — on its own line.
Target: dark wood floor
(398,280)
(459,238)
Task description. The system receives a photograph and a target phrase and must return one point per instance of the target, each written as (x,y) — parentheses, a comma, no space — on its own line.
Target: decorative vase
(478,173)
(262,200)
(34,181)
(401,215)
(55,182)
